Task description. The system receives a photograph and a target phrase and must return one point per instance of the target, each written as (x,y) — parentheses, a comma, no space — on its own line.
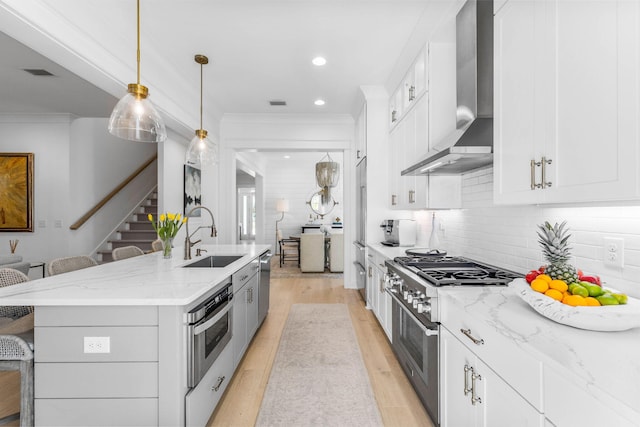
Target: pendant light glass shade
(134,116)
(136,119)
(201,150)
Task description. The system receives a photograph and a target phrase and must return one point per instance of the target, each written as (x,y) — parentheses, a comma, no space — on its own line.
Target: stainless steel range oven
(209,330)
(413,283)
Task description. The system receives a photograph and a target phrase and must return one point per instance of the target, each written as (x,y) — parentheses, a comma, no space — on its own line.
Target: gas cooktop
(456,271)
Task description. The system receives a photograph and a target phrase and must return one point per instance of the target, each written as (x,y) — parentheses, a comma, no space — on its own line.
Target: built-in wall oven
(209,330)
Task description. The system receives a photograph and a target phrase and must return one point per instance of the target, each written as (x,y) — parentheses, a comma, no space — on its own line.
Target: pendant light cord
(138,51)
(201,95)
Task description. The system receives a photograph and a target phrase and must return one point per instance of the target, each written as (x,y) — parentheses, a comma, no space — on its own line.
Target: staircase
(137,231)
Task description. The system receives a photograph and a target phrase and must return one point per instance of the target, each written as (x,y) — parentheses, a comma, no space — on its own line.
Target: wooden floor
(398,403)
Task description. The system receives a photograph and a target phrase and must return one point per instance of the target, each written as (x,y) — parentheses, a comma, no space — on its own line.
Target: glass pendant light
(134,117)
(201,150)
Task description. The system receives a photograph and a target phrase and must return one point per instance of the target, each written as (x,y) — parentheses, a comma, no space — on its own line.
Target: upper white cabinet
(361,134)
(566,101)
(427,115)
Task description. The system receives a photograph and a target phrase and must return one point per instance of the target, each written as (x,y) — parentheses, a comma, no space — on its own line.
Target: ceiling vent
(278,103)
(38,72)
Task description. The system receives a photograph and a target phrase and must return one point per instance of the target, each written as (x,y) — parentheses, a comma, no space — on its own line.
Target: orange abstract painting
(16,191)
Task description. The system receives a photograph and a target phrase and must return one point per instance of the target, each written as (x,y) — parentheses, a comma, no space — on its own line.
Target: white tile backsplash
(506,235)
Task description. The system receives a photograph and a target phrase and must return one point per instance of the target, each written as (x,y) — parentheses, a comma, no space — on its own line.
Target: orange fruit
(544,277)
(592,302)
(559,285)
(555,294)
(565,297)
(539,285)
(576,300)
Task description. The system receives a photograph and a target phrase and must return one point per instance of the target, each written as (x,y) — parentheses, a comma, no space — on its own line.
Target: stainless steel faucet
(188,244)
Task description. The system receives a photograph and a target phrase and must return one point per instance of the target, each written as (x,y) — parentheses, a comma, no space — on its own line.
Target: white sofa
(15,262)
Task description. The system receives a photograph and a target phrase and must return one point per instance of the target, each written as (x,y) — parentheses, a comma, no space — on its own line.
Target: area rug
(318,376)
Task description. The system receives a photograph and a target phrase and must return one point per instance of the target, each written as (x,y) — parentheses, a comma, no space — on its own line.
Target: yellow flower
(150,217)
(171,216)
(184,220)
(162,217)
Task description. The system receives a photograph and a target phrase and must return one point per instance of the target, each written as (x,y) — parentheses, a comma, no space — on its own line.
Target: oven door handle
(200,328)
(428,332)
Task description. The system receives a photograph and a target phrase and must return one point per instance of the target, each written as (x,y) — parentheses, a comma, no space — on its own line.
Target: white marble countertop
(606,364)
(389,251)
(143,280)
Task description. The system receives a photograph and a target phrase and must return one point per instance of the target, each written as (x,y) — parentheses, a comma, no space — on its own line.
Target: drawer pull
(217,386)
(476,341)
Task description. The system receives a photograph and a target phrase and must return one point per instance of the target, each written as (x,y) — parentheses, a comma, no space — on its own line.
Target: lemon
(559,285)
(555,294)
(544,277)
(539,285)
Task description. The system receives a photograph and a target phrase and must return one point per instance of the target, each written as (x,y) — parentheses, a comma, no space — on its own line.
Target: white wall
(506,235)
(76,163)
(294,179)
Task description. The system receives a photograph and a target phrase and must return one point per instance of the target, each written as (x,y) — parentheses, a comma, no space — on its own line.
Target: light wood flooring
(398,403)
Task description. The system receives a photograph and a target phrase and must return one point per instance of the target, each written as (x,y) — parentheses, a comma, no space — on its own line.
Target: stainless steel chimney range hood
(470,146)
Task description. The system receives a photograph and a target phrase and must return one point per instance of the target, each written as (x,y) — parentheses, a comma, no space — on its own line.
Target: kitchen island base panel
(96,412)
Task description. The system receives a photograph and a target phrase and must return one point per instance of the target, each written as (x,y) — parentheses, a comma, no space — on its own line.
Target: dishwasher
(263,292)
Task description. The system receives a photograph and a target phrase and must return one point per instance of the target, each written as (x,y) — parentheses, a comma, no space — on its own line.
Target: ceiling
(259,50)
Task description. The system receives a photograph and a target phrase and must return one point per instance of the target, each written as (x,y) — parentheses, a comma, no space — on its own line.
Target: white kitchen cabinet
(361,134)
(245,309)
(566,101)
(377,297)
(472,394)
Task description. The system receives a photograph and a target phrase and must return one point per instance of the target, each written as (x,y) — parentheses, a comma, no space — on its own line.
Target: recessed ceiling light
(319,61)
(319,102)
(287,156)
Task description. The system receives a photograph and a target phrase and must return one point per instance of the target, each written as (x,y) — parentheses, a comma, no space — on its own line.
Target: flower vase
(167,245)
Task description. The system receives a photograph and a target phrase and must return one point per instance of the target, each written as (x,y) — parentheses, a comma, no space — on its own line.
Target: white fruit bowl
(603,318)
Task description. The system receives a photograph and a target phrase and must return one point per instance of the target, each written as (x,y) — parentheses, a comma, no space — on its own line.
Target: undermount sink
(214,261)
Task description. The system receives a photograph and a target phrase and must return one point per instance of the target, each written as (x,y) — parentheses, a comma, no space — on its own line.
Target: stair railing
(84,218)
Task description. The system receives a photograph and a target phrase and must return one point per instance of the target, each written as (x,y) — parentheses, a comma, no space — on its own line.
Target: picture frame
(16,192)
(192,190)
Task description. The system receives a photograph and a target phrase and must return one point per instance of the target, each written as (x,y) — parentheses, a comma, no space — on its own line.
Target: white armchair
(312,252)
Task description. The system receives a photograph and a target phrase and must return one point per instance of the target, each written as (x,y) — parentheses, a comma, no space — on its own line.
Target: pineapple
(556,251)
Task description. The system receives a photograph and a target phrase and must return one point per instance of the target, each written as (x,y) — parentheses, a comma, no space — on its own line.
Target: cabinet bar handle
(474,397)
(467,368)
(357,154)
(393,200)
(369,272)
(412,93)
(393,116)
(544,163)
(533,174)
(476,341)
(412,196)
(217,386)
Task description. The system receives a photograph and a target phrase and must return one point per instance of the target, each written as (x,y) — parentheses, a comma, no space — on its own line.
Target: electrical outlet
(613,252)
(97,344)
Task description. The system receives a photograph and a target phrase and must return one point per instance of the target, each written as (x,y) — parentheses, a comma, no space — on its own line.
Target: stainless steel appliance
(263,283)
(413,283)
(209,330)
(361,227)
(399,232)
(470,145)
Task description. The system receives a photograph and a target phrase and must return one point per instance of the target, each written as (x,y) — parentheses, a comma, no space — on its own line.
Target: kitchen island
(140,305)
